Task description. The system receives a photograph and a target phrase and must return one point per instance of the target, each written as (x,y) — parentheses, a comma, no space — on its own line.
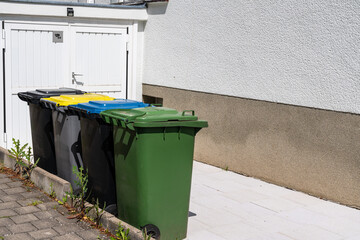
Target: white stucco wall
(296,52)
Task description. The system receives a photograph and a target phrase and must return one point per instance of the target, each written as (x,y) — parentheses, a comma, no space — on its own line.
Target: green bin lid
(152,117)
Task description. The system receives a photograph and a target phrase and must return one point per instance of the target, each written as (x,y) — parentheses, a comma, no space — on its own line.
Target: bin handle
(185,111)
(126,120)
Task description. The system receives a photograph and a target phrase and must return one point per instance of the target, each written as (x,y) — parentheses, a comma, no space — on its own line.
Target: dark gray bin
(67,142)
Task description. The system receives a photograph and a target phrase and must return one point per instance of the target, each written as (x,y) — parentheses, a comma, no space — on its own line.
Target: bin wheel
(152,230)
(112,209)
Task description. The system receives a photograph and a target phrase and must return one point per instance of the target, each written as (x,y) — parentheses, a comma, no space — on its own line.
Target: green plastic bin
(153,149)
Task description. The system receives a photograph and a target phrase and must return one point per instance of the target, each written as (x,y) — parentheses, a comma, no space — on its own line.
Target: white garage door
(59,55)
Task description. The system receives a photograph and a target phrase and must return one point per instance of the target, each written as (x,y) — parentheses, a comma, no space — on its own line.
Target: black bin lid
(35,96)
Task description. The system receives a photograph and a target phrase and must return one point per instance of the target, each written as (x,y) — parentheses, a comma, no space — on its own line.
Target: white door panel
(33,61)
(36,61)
(99,62)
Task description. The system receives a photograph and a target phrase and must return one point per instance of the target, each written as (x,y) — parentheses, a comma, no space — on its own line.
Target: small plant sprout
(226,168)
(145,235)
(98,211)
(64,199)
(52,192)
(78,201)
(29,165)
(72,197)
(35,203)
(122,233)
(17,153)
(82,183)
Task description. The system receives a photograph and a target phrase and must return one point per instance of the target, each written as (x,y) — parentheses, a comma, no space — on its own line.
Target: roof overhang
(81,10)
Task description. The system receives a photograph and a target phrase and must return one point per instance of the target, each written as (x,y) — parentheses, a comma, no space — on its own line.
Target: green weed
(78,201)
(145,235)
(121,233)
(64,199)
(225,168)
(35,203)
(98,212)
(72,197)
(52,192)
(19,153)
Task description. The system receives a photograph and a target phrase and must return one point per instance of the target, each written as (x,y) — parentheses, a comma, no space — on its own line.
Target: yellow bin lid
(66,100)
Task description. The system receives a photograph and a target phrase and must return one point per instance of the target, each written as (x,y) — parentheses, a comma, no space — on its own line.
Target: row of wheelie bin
(138,157)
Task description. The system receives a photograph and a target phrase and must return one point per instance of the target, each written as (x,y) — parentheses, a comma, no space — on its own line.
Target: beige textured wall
(311,150)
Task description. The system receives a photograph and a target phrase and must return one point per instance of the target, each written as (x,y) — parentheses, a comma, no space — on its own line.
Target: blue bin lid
(95,107)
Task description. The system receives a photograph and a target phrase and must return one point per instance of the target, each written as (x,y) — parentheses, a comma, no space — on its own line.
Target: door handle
(74,81)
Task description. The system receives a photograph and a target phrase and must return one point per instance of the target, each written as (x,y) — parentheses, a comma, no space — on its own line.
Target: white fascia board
(32,9)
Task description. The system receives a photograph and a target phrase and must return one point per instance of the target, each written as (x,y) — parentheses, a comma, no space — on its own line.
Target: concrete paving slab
(311,232)
(24,218)
(44,234)
(28,202)
(88,234)
(250,209)
(19,236)
(277,204)
(41,224)
(70,236)
(46,214)
(7,213)
(12,198)
(20,228)
(67,228)
(239,231)
(9,205)
(357,237)
(274,236)
(5,180)
(26,209)
(15,190)
(4,186)
(4,231)
(6,221)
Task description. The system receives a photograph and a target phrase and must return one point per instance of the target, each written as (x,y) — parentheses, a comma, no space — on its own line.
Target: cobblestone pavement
(27,213)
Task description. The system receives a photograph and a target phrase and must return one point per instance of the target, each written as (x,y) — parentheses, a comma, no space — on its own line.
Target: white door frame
(2,113)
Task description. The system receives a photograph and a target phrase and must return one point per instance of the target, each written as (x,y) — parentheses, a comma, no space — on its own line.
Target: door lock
(74,81)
